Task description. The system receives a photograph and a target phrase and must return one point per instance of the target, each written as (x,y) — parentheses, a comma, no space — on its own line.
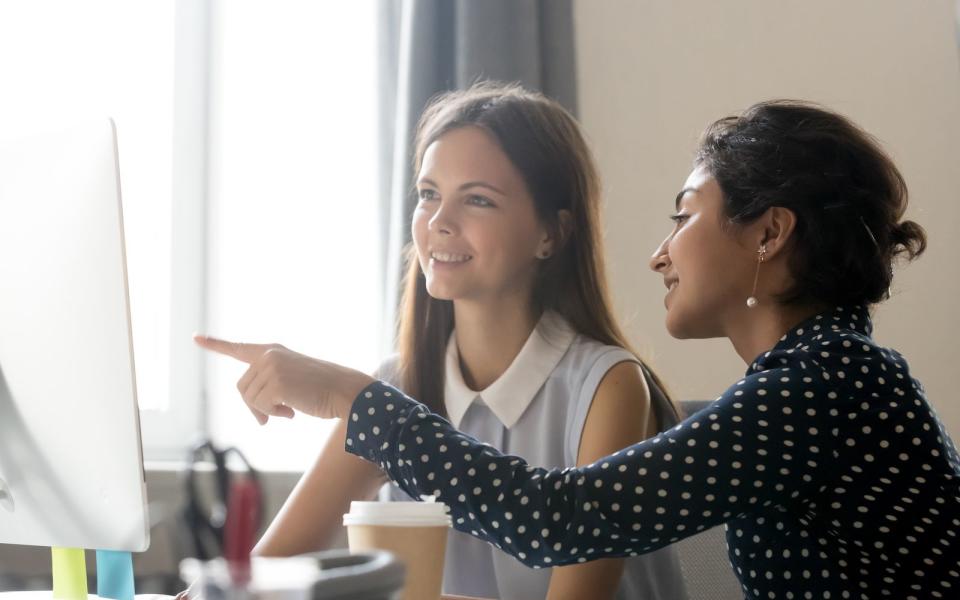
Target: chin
(674,326)
(440,291)
(678,332)
(684,328)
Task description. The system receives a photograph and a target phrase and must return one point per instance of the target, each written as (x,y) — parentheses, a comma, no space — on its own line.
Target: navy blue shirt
(829,467)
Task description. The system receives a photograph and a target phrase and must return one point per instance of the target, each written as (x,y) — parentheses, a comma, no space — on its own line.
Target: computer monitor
(71,465)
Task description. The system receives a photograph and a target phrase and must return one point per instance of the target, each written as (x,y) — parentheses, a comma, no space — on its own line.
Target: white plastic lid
(399,514)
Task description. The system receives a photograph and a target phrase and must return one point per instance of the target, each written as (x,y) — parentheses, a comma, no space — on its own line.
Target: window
(61,61)
(293,185)
(247,134)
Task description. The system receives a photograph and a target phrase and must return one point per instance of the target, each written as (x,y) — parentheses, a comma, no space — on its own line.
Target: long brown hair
(543,141)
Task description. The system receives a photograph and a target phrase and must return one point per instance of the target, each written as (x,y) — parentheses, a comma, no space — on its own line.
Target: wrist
(354,383)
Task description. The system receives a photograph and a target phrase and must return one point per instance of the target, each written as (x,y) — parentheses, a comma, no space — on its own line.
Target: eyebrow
(465,186)
(680,195)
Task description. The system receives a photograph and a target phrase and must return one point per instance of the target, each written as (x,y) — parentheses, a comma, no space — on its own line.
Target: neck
(489,336)
(758,329)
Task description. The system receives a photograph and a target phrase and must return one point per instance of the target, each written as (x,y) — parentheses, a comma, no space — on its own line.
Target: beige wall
(653,73)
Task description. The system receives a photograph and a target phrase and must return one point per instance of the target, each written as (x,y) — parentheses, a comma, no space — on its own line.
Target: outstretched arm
(748,449)
(279,382)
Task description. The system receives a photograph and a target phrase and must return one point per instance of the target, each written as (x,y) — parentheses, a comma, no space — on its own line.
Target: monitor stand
(69,573)
(114,574)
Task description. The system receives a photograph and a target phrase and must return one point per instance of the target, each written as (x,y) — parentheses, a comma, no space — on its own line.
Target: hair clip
(870,233)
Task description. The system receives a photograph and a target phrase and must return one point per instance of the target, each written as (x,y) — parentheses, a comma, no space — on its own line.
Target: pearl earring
(752,300)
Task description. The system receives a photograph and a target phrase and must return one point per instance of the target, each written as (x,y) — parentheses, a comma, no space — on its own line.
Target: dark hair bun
(910,238)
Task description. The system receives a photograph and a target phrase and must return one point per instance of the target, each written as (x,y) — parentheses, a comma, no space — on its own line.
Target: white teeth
(673,285)
(448,257)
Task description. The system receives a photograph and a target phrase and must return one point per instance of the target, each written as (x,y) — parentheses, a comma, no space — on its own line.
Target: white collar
(510,395)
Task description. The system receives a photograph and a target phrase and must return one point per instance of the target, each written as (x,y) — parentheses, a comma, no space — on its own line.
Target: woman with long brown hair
(506,330)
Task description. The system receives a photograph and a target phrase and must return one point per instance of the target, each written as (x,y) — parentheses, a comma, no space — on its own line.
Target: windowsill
(162,466)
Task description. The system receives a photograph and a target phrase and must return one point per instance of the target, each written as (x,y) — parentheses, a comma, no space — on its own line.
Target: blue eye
(427,194)
(479,200)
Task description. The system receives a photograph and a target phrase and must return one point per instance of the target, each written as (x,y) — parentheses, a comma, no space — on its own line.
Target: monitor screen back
(71,465)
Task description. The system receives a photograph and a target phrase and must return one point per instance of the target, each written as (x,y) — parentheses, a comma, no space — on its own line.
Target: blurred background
(264,151)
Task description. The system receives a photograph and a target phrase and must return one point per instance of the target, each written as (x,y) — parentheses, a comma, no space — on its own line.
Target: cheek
(418,229)
(694,264)
(515,242)
(707,269)
(419,233)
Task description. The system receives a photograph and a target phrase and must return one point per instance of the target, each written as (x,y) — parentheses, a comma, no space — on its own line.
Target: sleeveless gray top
(536,410)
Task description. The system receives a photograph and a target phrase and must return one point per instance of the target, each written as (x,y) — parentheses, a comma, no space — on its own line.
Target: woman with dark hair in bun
(829,467)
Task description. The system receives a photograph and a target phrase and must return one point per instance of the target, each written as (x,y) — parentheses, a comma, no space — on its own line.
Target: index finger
(247,353)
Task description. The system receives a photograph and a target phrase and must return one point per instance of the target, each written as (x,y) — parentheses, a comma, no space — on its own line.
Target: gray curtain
(429,46)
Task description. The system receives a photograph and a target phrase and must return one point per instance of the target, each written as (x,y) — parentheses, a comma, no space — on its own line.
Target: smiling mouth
(450,257)
(666,297)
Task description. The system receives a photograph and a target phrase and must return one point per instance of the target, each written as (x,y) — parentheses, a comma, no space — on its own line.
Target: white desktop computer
(71,465)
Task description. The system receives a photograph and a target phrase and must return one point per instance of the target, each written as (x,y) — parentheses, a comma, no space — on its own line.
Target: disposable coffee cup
(415,532)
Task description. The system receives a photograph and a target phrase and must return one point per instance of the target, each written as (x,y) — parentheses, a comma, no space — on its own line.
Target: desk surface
(48,595)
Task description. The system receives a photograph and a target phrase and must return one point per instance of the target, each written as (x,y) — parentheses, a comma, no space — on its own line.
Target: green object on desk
(69,573)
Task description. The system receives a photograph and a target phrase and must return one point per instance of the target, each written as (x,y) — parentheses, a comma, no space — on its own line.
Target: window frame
(168,434)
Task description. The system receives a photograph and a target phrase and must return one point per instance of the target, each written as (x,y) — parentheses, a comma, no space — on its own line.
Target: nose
(661,257)
(442,221)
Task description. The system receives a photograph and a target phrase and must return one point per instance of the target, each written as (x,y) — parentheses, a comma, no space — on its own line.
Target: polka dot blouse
(832,473)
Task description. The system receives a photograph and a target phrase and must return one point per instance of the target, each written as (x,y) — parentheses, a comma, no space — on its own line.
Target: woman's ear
(774,229)
(554,238)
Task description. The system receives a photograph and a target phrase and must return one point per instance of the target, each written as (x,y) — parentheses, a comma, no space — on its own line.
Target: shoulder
(589,365)
(613,398)
(623,385)
(605,390)
(588,357)
(389,370)
(593,366)
(791,389)
(836,363)
(619,412)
